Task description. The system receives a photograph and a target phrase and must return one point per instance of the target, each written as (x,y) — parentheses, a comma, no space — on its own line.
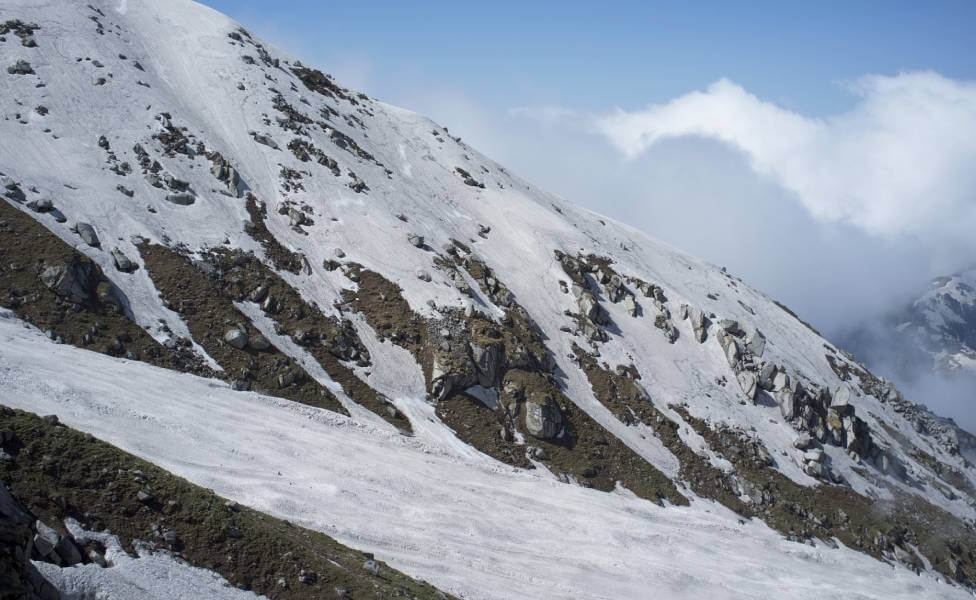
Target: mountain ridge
(264,226)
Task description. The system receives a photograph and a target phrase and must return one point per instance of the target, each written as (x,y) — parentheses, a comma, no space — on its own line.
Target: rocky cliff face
(180,194)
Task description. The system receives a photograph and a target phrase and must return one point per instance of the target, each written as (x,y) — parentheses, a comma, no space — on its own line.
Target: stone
(766,375)
(699,324)
(122,262)
(814,455)
(69,281)
(543,420)
(45,540)
(749,384)
(842,398)
(42,206)
(415,240)
(236,338)
(589,307)
(87,233)
(781,381)
(143,496)
(259,342)
(423,275)
(786,400)
(183,199)
(803,442)
(630,305)
(372,566)
(21,67)
(486,360)
(755,342)
(68,552)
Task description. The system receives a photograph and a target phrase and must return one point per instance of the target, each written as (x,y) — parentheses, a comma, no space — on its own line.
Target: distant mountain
(342,319)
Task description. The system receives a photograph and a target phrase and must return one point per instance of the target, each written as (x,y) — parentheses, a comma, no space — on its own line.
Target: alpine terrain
(265,336)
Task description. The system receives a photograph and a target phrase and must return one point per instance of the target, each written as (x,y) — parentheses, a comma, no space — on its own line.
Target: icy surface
(471,527)
(149,576)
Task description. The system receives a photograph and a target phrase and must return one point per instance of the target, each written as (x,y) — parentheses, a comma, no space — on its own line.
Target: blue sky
(593,55)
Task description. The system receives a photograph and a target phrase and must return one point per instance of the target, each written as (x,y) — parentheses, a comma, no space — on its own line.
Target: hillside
(333,311)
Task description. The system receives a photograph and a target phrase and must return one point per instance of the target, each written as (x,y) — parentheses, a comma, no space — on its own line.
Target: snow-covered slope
(184,143)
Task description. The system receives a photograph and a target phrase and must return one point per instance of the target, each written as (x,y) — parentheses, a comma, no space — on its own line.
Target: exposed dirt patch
(89,311)
(210,314)
(882,528)
(281,257)
(60,473)
(458,351)
(333,343)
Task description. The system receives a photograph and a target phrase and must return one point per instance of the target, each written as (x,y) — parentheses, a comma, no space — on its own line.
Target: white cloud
(901,161)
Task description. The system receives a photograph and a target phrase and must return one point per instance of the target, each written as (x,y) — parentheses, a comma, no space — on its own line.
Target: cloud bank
(901,161)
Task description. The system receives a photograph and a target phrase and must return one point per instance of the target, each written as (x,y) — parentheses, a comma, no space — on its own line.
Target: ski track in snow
(474,528)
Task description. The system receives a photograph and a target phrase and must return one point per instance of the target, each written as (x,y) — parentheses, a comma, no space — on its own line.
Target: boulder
(630,305)
(842,399)
(813,455)
(487,360)
(803,442)
(21,67)
(415,240)
(87,233)
(68,552)
(588,306)
(766,376)
(42,206)
(755,342)
(781,381)
(182,199)
(543,419)
(698,323)
(45,540)
(236,338)
(70,281)
(122,262)
(259,342)
(749,384)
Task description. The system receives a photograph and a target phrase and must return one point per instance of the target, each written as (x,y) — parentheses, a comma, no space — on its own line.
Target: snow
(148,576)
(431,504)
(468,525)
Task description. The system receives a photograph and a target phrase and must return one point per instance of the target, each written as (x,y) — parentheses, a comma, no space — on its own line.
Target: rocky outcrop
(22,539)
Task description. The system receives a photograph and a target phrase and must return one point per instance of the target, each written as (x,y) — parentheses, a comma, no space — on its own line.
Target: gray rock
(630,305)
(698,323)
(42,206)
(87,233)
(842,398)
(804,442)
(21,67)
(264,140)
(588,306)
(259,342)
(543,420)
(69,281)
(45,540)
(122,262)
(143,496)
(68,552)
(415,240)
(755,342)
(372,567)
(749,384)
(423,275)
(486,359)
(766,375)
(236,338)
(814,455)
(183,199)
